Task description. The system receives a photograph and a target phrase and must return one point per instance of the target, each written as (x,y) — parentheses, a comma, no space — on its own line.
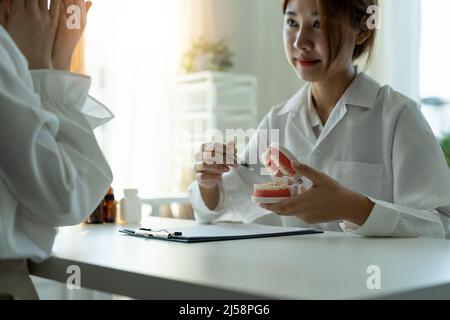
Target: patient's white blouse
(52,171)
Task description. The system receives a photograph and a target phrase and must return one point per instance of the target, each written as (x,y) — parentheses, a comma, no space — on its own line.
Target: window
(129,54)
(435,64)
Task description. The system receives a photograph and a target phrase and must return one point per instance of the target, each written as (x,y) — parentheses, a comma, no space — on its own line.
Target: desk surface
(323,266)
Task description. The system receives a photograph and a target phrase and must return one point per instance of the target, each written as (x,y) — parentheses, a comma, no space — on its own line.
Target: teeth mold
(278,161)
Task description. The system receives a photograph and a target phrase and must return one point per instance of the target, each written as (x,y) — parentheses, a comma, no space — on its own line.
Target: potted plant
(204,55)
(445,144)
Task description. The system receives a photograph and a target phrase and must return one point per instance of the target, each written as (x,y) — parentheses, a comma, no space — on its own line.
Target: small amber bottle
(97,216)
(110,212)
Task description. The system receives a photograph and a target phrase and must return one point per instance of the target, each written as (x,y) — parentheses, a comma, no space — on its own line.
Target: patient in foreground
(52,171)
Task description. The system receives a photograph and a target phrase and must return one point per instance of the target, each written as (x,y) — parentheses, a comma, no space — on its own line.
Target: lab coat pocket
(361,177)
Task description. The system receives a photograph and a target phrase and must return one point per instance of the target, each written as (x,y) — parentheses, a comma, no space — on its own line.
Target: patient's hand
(66,39)
(33,26)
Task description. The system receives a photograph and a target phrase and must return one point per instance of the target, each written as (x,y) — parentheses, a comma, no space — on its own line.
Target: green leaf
(445,145)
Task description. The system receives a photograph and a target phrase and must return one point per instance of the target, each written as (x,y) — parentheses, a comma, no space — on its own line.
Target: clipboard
(217,232)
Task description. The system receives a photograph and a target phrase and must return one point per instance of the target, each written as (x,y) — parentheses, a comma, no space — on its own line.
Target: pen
(243,164)
(156,234)
(247,166)
(149,233)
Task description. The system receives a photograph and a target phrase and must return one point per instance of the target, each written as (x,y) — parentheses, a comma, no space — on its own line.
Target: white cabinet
(211,100)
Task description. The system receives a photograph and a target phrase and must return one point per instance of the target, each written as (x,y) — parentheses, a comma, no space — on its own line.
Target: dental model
(278,161)
(273,192)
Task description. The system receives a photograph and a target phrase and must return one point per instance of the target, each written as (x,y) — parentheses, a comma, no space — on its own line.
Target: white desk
(325,266)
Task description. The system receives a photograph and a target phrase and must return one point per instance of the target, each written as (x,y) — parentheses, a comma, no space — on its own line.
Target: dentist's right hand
(211,163)
(33,27)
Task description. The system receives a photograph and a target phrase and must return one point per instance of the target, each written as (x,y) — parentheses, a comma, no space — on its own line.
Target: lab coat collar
(362,92)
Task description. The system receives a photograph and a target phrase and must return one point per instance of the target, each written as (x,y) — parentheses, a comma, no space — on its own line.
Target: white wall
(397,58)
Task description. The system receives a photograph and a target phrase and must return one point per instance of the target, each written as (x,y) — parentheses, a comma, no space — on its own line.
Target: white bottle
(131,206)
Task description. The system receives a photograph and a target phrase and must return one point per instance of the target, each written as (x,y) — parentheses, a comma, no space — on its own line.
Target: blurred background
(167,68)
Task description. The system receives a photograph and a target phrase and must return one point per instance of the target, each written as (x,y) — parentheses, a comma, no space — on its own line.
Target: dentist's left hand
(326,201)
(33,27)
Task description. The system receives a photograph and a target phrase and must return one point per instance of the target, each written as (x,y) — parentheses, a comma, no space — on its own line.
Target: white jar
(131,206)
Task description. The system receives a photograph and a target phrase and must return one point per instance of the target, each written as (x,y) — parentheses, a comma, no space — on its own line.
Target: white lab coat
(52,171)
(375,142)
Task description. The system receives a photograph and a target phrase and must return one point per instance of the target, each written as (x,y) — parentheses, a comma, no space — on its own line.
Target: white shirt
(316,122)
(52,171)
(375,142)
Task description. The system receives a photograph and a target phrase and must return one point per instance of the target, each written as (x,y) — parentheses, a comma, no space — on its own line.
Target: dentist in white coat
(52,171)
(375,165)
